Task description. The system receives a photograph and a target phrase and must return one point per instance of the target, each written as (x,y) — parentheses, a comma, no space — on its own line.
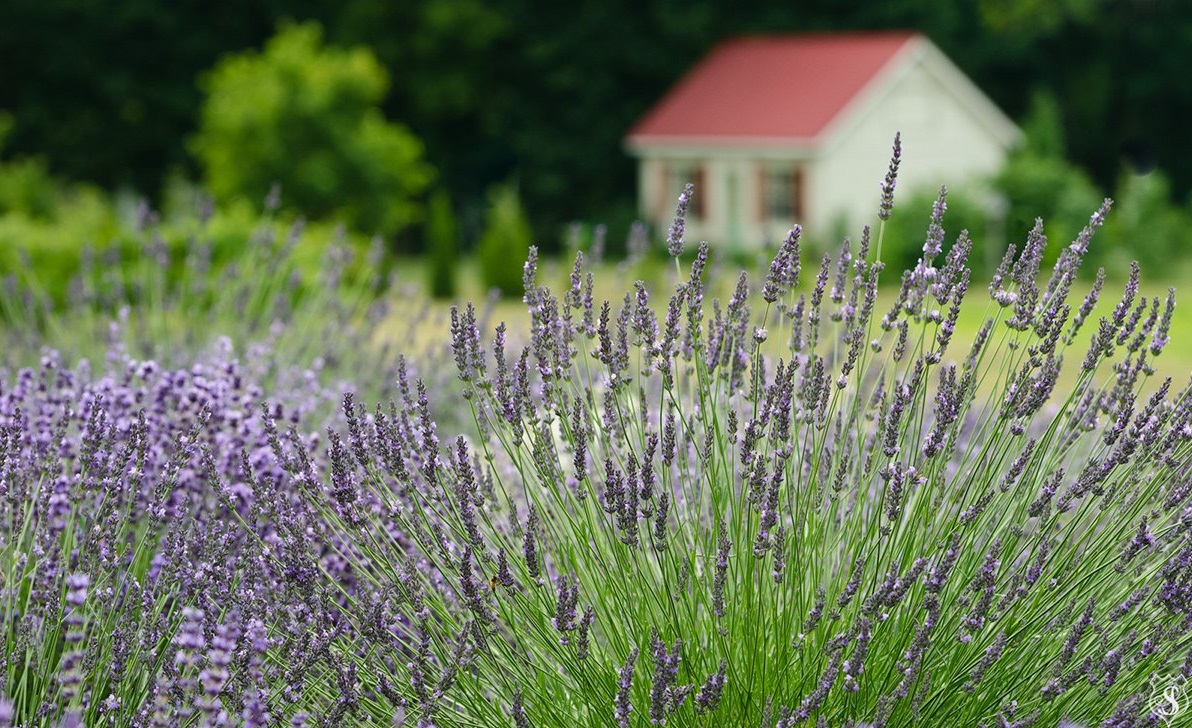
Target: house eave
(920,50)
(666,145)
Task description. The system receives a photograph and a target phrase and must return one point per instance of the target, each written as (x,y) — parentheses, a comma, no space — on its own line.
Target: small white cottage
(774,130)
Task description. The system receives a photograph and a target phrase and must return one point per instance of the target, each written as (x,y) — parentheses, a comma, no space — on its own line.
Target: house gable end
(767,91)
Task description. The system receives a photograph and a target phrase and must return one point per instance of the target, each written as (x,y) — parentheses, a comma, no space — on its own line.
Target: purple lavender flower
(983,584)
(939,573)
(518,711)
(472,590)
(708,697)
(666,672)
(214,675)
(69,671)
(816,611)
(529,543)
(997,292)
(888,184)
(1142,539)
(1159,339)
(529,274)
(724,546)
(816,698)
(784,269)
(567,597)
(1074,634)
(190,642)
(622,706)
(674,237)
(778,572)
(504,575)
(585,625)
(256,712)
(660,521)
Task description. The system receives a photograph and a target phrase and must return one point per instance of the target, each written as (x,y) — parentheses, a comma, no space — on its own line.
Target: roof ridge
(751,89)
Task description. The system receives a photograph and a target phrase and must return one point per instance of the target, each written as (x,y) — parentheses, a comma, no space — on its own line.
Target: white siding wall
(731,195)
(942,142)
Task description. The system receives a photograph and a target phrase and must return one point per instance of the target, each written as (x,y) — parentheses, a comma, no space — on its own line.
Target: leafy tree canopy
(497,88)
(306,116)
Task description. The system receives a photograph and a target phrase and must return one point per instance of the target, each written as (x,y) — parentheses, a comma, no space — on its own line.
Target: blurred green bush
(306,116)
(79,247)
(1144,226)
(906,230)
(44,223)
(442,246)
(504,242)
(1037,180)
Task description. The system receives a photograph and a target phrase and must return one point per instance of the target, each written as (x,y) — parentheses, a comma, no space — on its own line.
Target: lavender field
(810,500)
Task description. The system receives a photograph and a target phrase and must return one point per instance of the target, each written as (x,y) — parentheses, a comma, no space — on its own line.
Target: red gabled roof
(769,87)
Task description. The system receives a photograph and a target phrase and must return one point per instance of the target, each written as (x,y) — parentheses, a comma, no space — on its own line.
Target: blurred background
(454,127)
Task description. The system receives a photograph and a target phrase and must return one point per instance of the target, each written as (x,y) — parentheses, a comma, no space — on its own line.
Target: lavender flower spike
(721,575)
(623,706)
(708,697)
(519,711)
(887,203)
(674,238)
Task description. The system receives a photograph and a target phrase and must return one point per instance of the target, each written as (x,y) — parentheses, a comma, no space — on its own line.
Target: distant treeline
(543,92)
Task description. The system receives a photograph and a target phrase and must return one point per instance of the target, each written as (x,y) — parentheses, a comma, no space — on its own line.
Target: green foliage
(177,283)
(1037,181)
(902,241)
(1144,226)
(112,95)
(46,255)
(89,251)
(26,186)
(106,92)
(442,246)
(44,223)
(1043,126)
(306,116)
(1035,18)
(505,241)
(58,238)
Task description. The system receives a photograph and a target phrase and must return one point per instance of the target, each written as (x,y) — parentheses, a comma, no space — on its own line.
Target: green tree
(506,240)
(105,92)
(442,246)
(1038,181)
(306,116)
(25,184)
(967,209)
(1144,225)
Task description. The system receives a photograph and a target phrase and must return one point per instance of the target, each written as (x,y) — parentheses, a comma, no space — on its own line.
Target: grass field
(417,321)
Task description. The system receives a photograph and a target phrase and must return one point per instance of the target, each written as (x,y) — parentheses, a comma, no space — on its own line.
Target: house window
(781,193)
(678,177)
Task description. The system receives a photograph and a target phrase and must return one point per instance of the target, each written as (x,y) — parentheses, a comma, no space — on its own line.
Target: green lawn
(431,324)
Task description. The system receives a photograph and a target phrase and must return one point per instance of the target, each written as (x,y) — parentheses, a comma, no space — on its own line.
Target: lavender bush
(157,298)
(792,508)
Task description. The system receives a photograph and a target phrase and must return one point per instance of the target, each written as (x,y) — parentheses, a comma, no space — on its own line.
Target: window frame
(771,177)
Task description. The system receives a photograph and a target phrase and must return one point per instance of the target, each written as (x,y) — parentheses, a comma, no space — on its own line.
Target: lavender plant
(786,509)
(793,510)
(182,286)
(151,573)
